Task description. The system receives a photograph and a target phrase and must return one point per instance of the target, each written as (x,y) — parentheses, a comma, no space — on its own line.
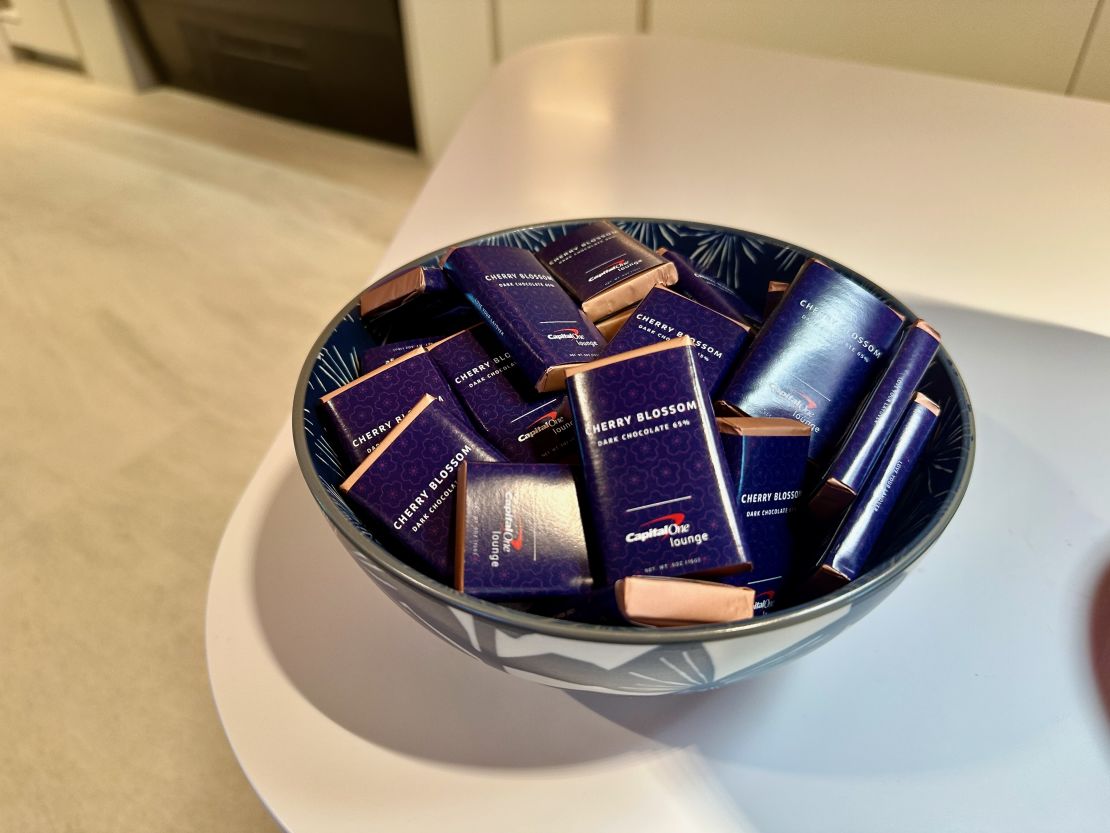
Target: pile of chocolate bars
(595,431)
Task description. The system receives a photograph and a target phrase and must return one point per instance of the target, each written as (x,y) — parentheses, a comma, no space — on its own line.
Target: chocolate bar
(527,309)
(664,315)
(524,424)
(876,421)
(396,290)
(374,357)
(405,488)
(604,269)
(816,357)
(676,602)
(767,459)
(660,501)
(709,291)
(847,554)
(519,533)
(360,414)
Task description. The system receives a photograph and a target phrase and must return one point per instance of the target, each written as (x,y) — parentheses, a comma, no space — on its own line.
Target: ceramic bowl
(636,660)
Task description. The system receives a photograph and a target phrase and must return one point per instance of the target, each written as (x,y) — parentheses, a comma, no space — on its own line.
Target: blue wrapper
(527,426)
(708,290)
(527,309)
(847,554)
(604,269)
(360,414)
(816,357)
(663,315)
(660,501)
(374,357)
(767,459)
(405,489)
(519,533)
(877,419)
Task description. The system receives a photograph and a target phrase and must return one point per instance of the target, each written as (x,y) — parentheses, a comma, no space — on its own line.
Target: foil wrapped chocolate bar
(876,421)
(359,414)
(767,458)
(394,291)
(663,315)
(659,499)
(374,357)
(527,426)
(816,357)
(519,533)
(848,553)
(709,291)
(405,489)
(527,309)
(604,269)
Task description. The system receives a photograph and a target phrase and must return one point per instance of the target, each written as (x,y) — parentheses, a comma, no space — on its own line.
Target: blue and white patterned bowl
(634,660)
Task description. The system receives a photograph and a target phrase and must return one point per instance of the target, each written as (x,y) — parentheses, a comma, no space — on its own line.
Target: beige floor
(165,262)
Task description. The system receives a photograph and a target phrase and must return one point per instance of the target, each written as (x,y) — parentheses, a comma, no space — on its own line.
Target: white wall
(1029,43)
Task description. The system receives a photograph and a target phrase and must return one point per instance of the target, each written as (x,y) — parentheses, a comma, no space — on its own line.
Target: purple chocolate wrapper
(527,309)
(883,411)
(660,501)
(521,533)
(522,423)
(359,415)
(767,459)
(816,357)
(709,291)
(405,490)
(663,315)
(604,268)
(847,554)
(374,357)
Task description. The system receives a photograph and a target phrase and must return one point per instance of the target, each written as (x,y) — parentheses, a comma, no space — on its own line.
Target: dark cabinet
(336,63)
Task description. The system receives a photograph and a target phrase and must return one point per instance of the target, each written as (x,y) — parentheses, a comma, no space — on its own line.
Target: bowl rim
(855,591)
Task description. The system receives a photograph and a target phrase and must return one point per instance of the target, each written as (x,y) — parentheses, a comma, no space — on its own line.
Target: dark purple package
(664,315)
(877,420)
(816,357)
(605,269)
(660,500)
(767,459)
(525,425)
(374,357)
(360,414)
(519,533)
(528,310)
(405,489)
(846,555)
(709,291)
(396,290)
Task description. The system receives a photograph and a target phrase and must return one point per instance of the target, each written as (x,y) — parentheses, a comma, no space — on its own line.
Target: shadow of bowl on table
(363,663)
(1099,641)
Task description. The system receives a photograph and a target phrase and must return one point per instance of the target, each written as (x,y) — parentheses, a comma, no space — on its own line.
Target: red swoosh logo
(810,404)
(568,330)
(676,519)
(517,542)
(545,418)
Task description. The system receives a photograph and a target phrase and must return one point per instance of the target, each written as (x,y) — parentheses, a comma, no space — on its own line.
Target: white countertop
(968,700)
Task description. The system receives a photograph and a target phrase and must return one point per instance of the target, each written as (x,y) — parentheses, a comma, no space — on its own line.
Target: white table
(967,701)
